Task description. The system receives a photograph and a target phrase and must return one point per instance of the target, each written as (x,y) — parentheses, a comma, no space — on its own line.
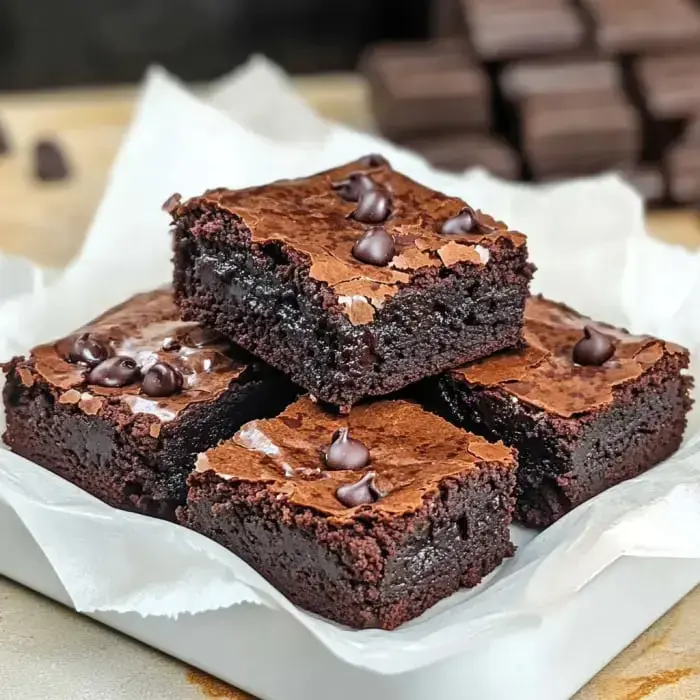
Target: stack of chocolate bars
(350,387)
(550,89)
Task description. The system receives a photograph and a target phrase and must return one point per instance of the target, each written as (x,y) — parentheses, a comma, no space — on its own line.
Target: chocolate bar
(683,164)
(670,85)
(419,88)
(508,29)
(520,81)
(633,26)
(459,152)
(579,135)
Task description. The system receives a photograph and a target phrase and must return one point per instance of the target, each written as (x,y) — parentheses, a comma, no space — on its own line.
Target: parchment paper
(589,243)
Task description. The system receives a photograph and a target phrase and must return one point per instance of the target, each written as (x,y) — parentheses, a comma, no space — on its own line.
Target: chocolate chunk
(594,348)
(172,202)
(161,380)
(114,372)
(363,492)
(87,350)
(374,160)
(171,345)
(355,185)
(50,164)
(373,207)
(376,247)
(464,222)
(426,88)
(4,141)
(346,452)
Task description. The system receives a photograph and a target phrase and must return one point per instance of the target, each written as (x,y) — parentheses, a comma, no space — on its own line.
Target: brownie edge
(441,521)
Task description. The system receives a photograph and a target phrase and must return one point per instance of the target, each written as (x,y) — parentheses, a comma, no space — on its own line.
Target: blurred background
(47,43)
(534,90)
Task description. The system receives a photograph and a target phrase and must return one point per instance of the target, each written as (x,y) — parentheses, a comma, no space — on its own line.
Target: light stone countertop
(50,653)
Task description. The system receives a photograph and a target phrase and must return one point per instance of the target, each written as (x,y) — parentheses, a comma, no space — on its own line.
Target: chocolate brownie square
(355,282)
(367,519)
(122,407)
(586,406)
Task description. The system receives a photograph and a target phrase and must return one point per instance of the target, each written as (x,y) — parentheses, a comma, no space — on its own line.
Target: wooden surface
(47,222)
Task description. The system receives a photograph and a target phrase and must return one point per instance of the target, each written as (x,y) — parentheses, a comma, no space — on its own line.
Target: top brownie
(356,281)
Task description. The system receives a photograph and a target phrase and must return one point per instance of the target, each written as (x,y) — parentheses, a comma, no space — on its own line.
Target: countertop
(47,651)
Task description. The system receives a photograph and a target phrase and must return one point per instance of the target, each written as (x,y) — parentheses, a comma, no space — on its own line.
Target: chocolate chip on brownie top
(408,450)
(545,372)
(142,353)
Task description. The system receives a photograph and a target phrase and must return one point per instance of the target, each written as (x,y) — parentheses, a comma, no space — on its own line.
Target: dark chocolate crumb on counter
(50,164)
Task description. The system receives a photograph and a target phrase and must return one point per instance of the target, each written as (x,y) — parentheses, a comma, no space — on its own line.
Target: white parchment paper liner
(589,243)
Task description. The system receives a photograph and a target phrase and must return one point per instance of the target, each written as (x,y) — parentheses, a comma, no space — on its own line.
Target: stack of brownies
(575,87)
(349,387)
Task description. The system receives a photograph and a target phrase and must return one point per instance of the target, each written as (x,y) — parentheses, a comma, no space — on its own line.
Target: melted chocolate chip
(464,222)
(376,247)
(374,160)
(373,207)
(594,348)
(161,380)
(171,345)
(200,337)
(172,202)
(353,187)
(346,452)
(362,492)
(87,350)
(50,164)
(114,372)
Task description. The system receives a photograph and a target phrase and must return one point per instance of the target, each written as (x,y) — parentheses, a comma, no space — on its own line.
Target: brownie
(419,88)
(367,519)
(355,282)
(586,406)
(122,407)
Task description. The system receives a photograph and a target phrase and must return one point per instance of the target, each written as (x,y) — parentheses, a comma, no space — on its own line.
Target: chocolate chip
(346,452)
(4,141)
(115,371)
(464,222)
(352,188)
(360,493)
(49,162)
(87,350)
(161,380)
(171,345)
(594,348)
(172,202)
(376,247)
(200,337)
(374,160)
(373,207)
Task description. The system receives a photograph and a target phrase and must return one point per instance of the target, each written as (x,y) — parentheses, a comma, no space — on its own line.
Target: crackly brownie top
(322,217)
(141,353)
(383,457)
(545,372)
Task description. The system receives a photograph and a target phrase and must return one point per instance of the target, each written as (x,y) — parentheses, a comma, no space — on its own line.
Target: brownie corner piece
(355,282)
(367,519)
(585,404)
(122,407)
